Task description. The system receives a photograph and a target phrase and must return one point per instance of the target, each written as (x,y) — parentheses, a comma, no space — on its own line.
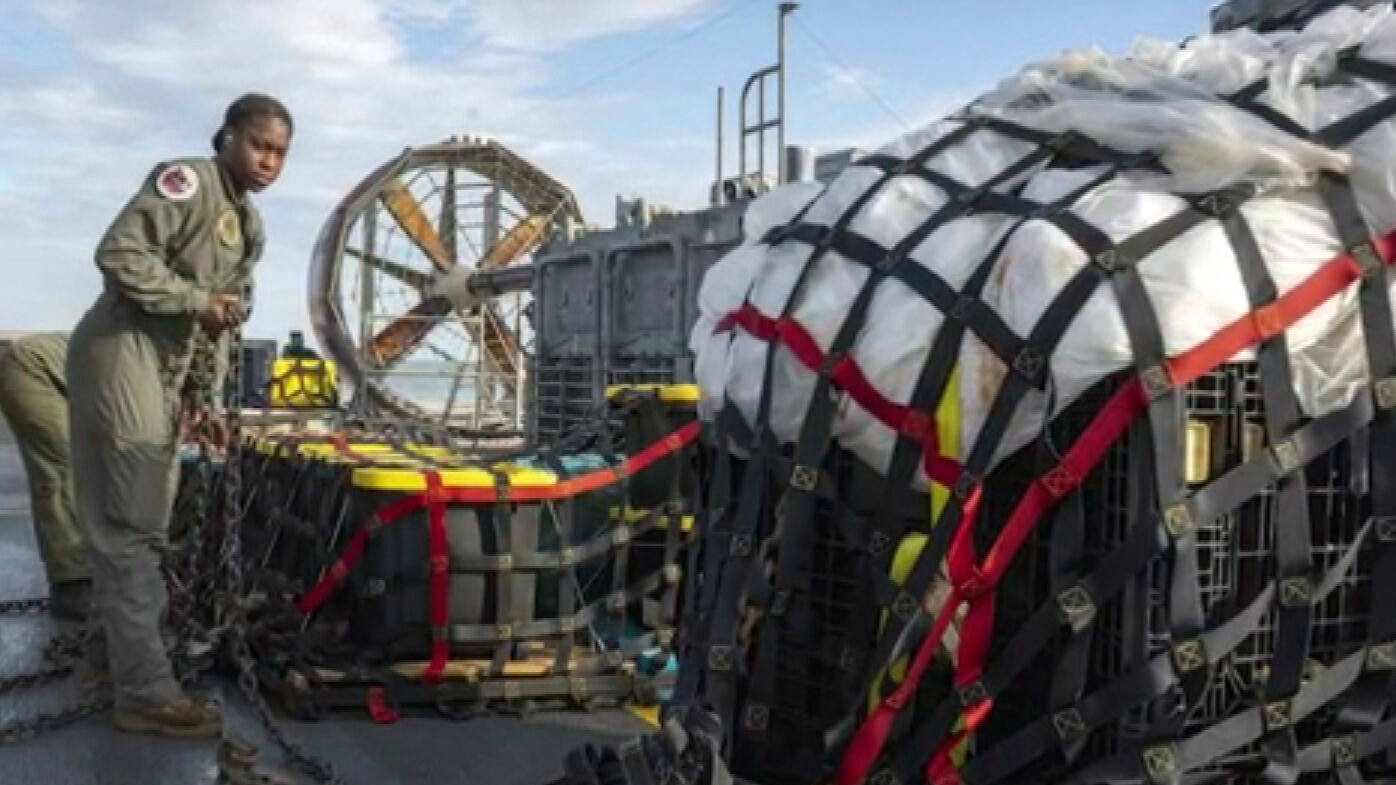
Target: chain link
(29,606)
(235,590)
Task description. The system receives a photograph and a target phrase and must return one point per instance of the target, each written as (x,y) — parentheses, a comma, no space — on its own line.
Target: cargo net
(421,578)
(1102,270)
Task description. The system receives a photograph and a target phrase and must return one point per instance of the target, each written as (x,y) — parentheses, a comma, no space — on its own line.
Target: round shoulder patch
(177,182)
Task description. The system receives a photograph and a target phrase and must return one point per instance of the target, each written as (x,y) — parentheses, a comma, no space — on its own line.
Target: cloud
(547,24)
(844,82)
(82,133)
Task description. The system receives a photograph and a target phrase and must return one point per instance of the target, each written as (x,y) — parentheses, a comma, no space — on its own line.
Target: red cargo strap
(439,588)
(354,551)
(379,710)
(849,377)
(575,486)
(975,584)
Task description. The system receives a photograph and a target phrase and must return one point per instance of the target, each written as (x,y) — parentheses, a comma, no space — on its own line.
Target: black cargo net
(1198,615)
(479,589)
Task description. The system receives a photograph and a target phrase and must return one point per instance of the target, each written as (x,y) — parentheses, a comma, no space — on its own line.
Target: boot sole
(136,724)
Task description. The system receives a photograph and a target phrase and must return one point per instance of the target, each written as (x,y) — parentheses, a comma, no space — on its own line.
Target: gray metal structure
(616,306)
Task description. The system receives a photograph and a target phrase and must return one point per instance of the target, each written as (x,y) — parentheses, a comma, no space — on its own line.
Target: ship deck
(483,751)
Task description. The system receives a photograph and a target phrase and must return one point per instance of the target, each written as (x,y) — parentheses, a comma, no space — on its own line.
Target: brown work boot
(187,716)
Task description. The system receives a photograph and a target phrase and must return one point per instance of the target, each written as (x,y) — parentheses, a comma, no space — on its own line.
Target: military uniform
(182,238)
(33,397)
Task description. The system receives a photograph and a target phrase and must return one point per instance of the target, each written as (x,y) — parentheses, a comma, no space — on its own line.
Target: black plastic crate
(1224,414)
(812,691)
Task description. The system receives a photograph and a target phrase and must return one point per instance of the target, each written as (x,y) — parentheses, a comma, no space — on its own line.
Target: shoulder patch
(177,182)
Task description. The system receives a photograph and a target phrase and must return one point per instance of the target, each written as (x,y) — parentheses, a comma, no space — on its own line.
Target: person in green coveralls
(174,263)
(33,398)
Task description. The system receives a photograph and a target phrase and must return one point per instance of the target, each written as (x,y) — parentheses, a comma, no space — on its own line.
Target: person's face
(256,151)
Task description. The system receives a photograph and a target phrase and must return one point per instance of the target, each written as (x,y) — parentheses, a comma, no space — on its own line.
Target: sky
(609,96)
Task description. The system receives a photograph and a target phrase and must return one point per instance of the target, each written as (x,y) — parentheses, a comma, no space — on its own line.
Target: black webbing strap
(1368,700)
(1055,320)
(568,585)
(504,631)
(1066,552)
(1167,763)
(753,503)
(1076,607)
(1107,258)
(504,634)
(1186,617)
(595,547)
(1293,566)
(816,434)
(930,389)
(1343,753)
(1150,681)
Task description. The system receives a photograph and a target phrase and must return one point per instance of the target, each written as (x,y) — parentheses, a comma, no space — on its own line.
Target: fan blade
(522,238)
(399,338)
(414,278)
(407,211)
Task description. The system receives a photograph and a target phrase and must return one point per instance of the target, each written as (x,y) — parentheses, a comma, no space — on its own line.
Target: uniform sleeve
(133,253)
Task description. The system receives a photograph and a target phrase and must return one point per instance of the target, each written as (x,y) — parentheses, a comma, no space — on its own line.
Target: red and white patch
(177,183)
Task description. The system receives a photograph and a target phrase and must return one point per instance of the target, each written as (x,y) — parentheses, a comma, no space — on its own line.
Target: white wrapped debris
(1162,100)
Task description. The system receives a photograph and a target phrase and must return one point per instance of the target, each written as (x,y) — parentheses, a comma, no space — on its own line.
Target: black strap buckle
(1386,529)
(756,717)
(1380,657)
(1367,258)
(1286,455)
(972,694)
(1344,751)
(1112,260)
(1189,655)
(1160,763)
(721,658)
(1278,715)
(1069,725)
(1076,608)
(1156,381)
(1178,520)
(1296,592)
(1384,391)
(904,607)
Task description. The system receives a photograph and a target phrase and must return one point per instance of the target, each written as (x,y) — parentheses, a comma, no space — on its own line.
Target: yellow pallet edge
(409,480)
(668,393)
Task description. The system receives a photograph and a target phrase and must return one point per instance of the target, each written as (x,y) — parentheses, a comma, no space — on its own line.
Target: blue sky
(94,93)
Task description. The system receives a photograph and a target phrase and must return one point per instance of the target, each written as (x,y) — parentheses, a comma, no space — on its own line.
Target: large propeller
(437,264)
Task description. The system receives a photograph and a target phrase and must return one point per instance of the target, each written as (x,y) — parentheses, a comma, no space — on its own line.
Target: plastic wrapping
(1163,99)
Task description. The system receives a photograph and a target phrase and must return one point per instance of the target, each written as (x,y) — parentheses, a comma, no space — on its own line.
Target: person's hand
(206,429)
(223,311)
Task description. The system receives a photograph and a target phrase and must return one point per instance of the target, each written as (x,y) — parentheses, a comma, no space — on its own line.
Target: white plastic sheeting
(1163,99)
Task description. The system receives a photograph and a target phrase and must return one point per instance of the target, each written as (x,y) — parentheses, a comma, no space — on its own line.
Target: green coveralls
(181,238)
(33,397)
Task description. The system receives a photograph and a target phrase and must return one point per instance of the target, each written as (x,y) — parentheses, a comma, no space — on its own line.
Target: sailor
(174,261)
(33,397)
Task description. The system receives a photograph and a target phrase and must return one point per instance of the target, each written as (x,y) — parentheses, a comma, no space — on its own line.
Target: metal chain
(60,654)
(234,588)
(32,605)
(27,729)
